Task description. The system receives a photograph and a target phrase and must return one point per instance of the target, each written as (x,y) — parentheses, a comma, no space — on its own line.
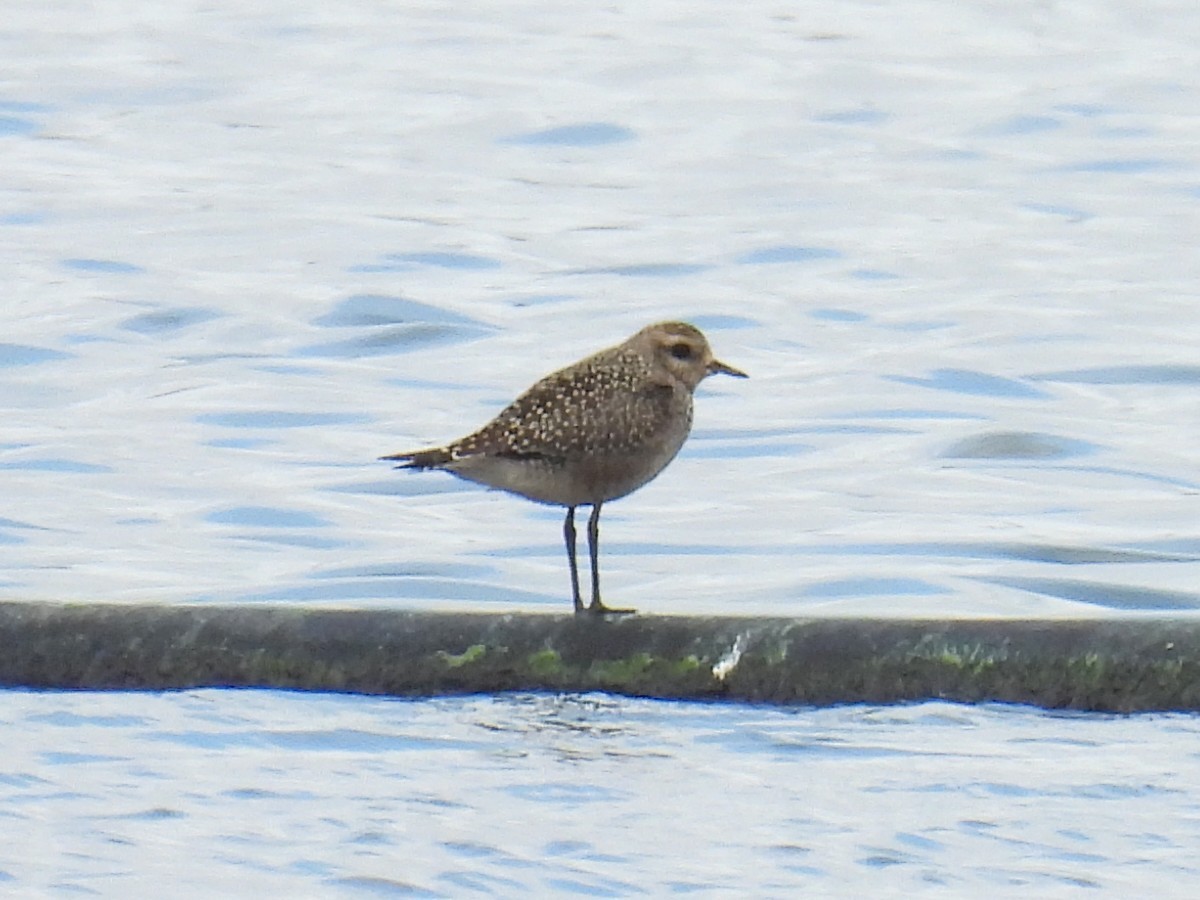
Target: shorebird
(590,433)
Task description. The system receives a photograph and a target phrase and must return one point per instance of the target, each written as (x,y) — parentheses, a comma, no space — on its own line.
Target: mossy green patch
(474,653)
(621,671)
(973,658)
(545,663)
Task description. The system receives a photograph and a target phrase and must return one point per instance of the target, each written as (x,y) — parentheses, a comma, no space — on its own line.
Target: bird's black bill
(716,367)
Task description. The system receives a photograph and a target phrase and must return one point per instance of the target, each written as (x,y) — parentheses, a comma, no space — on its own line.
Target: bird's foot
(599,609)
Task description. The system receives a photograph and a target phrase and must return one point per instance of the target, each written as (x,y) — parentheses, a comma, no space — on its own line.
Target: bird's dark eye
(681,351)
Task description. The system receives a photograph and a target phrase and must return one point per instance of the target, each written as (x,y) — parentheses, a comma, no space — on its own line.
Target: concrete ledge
(1111,665)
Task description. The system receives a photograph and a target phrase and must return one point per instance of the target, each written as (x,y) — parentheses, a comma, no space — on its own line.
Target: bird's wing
(591,407)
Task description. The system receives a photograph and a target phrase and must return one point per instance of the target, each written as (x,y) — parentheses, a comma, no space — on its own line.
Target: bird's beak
(716,367)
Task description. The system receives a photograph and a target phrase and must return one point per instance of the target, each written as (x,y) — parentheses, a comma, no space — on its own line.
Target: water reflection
(1105,595)
(584,134)
(381,324)
(1143,375)
(1017,445)
(168,321)
(965,381)
(403,262)
(787,254)
(24,355)
(103,266)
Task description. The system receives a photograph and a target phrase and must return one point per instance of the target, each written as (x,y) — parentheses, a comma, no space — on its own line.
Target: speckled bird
(592,432)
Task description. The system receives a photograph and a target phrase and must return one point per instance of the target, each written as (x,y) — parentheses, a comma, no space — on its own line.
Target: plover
(592,432)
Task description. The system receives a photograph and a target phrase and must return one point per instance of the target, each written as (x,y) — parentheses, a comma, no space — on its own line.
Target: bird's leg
(569,539)
(594,554)
(597,607)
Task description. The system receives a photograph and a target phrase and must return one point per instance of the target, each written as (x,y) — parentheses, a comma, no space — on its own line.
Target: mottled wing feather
(606,403)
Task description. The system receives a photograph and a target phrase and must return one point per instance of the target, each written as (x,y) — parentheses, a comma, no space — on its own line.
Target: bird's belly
(572,482)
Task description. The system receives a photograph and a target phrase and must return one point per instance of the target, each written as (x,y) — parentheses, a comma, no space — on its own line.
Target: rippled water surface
(247,250)
(249,253)
(252,793)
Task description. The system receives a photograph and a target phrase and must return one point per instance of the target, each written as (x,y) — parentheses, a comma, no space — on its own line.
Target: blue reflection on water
(23,218)
(721,322)
(1181,374)
(383,309)
(402,262)
(1071,213)
(584,134)
(393,339)
(648,270)
(417,588)
(13,126)
(387,324)
(1120,166)
(102,266)
(867,587)
(24,355)
(1103,594)
(266,517)
(1022,125)
(274,418)
(838,315)
(55,465)
(787,254)
(1056,554)
(165,321)
(966,381)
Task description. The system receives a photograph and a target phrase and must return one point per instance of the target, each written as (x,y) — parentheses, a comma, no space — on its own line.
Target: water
(239,794)
(247,252)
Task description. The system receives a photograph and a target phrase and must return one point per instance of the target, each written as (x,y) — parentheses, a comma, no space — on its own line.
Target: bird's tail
(420,459)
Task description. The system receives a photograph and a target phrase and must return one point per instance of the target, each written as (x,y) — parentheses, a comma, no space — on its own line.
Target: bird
(588,434)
